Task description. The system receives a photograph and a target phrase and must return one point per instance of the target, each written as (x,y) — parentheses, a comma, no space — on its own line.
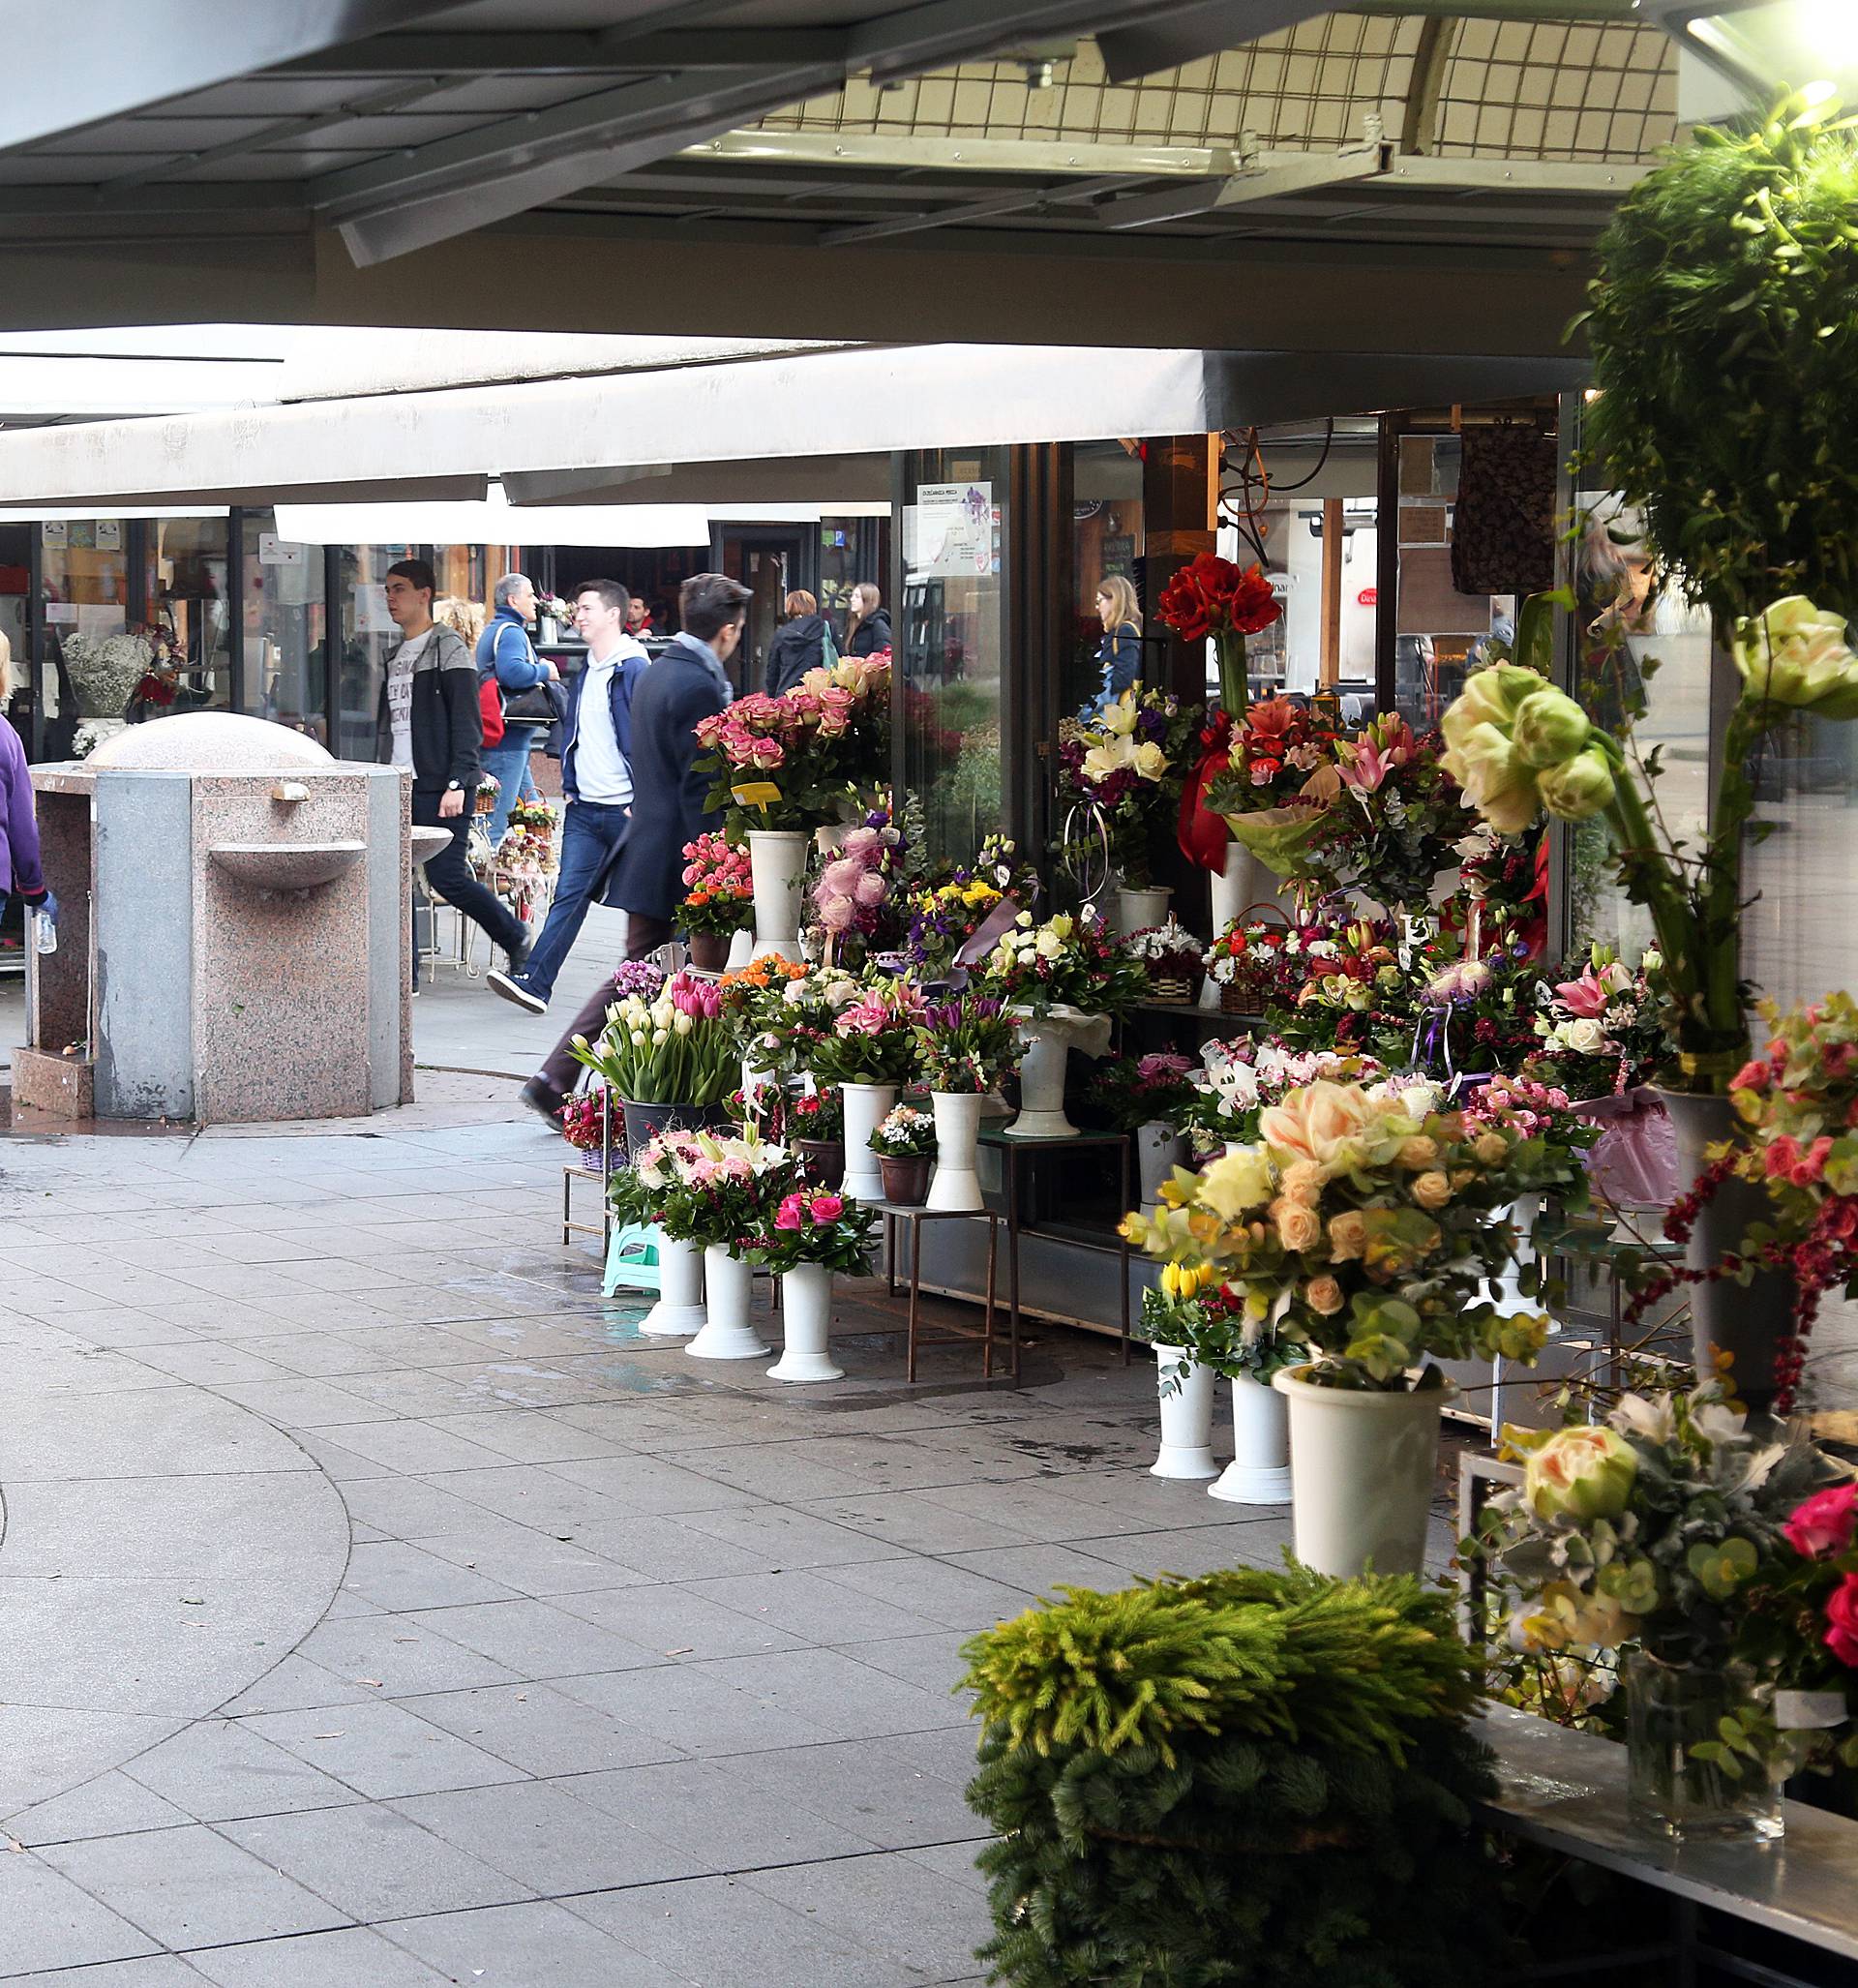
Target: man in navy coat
(680,687)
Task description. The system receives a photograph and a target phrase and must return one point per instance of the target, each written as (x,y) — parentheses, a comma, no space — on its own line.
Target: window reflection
(286,629)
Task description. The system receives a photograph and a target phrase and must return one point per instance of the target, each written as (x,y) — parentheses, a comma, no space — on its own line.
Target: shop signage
(956,530)
(1369,598)
(274,551)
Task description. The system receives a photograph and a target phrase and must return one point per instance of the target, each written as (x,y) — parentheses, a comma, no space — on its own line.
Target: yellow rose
(1322,1123)
(1298,1229)
(1237,1182)
(1431,1190)
(1150,761)
(1347,1235)
(1493,1149)
(1323,1294)
(1419,1151)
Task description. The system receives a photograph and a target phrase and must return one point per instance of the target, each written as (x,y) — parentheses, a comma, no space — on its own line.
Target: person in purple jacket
(19,871)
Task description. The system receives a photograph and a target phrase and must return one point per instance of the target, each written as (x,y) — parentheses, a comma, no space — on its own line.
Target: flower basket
(593,1160)
(1182,986)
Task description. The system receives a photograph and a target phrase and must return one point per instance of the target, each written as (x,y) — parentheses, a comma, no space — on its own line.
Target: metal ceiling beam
(1260,176)
(1068,194)
(595,51)
(126,54)
(394,205)
(1050,158)
(1184,34)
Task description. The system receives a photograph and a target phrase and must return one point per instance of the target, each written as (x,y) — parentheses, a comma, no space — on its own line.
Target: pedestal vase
(956,1186)
(1158,1149)
(807,1314)
(777,863)
(729,1284)
(679,1310)
(1259,1473)
(1048,1041)
(1186,1417)
(866,1106)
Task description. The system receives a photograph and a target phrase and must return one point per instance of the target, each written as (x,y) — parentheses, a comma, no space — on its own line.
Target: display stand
(987,1337)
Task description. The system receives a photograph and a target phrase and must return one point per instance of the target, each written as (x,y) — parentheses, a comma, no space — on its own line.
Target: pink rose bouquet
(809,1226)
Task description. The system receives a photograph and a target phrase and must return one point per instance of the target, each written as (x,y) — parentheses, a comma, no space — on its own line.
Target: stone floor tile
(299,1403)
(531,1562)
(705,1926)
(540,1834)
(408,1507)
(415,1448)
(526,1436)
(397,1576)
(534,1638)
(786,1538)
(167,1971)
(529,1946)
(380,1750)
(676,1703)
(1193,1549)
(955,1597)
(909,1914)
(922,1522)
(933,1663)
(1041,1570)
(296,1684)
(190,1887)
(713,1813)
(652,1485)
(112,1804)
(810,1605)
(351,1958)
(222,1768)
(667,1549)
(395,1655)
(836,1694)
(670,1621)
(892,1792)
(541,1730)
(374,1863)
(46,1922)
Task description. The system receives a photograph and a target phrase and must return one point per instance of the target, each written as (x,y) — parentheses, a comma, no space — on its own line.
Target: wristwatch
(454,787)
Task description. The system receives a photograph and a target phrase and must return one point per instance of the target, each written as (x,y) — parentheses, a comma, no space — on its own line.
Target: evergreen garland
(1248,1779)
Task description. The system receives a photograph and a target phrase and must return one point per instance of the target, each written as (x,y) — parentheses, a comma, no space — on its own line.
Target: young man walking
(429,725)
(596,779)
(683,686)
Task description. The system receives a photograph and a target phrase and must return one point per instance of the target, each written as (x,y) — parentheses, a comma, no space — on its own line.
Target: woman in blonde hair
(19,872)
(1120,652)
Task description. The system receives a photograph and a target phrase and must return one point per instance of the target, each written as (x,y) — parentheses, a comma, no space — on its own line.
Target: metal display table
(954,1334)
(1567,1791)
(1020,1153)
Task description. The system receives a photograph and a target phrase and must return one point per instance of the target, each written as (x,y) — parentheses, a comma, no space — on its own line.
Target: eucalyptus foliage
(1245,1779)
(1725,334)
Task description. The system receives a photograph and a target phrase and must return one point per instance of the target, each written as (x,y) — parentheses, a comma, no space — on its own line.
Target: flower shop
(1413,1082)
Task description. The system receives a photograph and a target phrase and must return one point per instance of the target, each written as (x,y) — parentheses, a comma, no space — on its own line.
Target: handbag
(542,703)
(828,648)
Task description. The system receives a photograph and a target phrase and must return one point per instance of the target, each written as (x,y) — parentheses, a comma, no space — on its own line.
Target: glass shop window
(185,585)
(368,632)
(1107,542)
(287,634)
(86,671)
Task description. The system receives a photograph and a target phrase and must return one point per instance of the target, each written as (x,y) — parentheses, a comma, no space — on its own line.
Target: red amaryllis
(1210,595)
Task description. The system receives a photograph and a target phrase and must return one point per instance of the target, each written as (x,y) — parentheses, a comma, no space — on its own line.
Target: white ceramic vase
(955,1185)
(806,1313)
(729,1284)
(679,1310)
(741,950)
(1259,1473)
(1158,1149)
(1137,910)
(1186,1418)
(1047,1039)
(1505,1291)
(777,863)
(866,1106)
(1362,1476)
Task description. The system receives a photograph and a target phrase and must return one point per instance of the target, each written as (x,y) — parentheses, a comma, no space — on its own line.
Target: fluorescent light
(1765,45)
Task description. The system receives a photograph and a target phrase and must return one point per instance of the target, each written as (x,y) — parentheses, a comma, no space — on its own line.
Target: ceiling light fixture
(1761,46)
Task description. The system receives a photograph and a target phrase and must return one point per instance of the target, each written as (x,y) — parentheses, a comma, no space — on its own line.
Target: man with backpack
(513,693)
(596,780)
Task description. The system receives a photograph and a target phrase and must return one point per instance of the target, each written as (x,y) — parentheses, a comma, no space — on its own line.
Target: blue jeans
(591,832)
(508,763)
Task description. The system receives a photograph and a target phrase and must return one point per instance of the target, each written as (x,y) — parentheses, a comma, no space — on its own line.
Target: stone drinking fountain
(233,937)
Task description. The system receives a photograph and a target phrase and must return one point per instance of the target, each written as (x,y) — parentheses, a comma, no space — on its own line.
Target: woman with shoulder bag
(804,641)
(19,871)
(526,690)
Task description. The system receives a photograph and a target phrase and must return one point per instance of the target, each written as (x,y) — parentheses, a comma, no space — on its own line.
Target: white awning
(870,400)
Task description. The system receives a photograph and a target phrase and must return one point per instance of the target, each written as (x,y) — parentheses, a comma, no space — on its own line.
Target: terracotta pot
(821,1161)
(906,1177)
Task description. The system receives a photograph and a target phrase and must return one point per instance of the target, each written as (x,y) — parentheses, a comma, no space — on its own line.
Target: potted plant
(1119,775)
(806,1238)
(868,1052)
(813,1126)
(713,1192)
(1172,958)
(964,1046)
(1066,981)
(945,910)
(905,1143)
(719,896)
(1184,1384)
(1363,1225)
(1148,1098)
(1654,1535)
(670,1058)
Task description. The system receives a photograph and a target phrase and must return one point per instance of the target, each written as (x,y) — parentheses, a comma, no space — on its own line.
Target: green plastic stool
(633,1258)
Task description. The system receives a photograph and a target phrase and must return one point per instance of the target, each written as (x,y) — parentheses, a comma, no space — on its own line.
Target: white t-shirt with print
(399,696)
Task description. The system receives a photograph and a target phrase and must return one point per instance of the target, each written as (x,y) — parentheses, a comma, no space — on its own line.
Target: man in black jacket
(429,725)
(682,687)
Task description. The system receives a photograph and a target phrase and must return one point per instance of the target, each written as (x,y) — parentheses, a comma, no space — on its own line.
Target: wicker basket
(1183,988)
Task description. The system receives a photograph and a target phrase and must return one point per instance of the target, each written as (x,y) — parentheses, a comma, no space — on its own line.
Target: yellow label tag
(757,794)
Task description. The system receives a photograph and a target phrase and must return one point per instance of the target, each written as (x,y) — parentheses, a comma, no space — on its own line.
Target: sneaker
(544,1101)
(512,989)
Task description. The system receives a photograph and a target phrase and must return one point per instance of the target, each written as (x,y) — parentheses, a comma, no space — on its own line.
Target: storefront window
(368,633)
(1106,542)
(951,641)
(285,675)
(185,585)
(84,581)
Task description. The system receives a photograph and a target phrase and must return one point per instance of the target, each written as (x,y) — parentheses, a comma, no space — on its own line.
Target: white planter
(777,862)
(1259,1473)
(679,1310)
(1137,910)
(806,1311)
(1505,1291)
(956,1186)
(1362,1475)
(866,1106)
(1049,1039)
(729,1284)
(741,950)
(1187,1419)
(1158,1149)
(1245,881)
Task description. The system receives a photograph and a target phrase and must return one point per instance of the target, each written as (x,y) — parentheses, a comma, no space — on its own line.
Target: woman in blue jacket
(1120,652)
(505,651)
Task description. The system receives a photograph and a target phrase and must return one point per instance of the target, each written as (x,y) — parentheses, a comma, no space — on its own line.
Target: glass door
(770,561)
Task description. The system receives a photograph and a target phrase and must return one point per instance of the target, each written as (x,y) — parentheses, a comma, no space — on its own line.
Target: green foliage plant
(1242,1780)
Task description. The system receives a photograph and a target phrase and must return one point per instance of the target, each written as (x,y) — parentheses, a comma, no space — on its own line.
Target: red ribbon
(1203,835)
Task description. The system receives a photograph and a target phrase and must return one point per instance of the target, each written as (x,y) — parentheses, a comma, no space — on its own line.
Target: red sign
(1369,598)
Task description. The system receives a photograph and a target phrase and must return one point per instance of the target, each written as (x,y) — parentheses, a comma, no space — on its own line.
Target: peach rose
(1347,1235)
(1302,1183)
(1322,1123)
(1298,1229)
(1419,1151)
(1323,1294)
(1431,1190)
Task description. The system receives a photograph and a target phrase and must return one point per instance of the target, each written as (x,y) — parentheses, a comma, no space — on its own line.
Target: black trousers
(449,875)
(644,936)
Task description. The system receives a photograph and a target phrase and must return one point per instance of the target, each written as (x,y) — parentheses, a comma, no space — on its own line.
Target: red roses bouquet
(812,1226)
(1277,785)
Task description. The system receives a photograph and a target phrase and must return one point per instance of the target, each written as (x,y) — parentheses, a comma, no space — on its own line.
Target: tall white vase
(1137,910)
(1245,881)
(1158,1149)
(866,1106)
(1048,1040)
(729,1284)
(1186,1418)
(679,1310)
(1362,1476)
(741,950)
(955,1185)
(1259,1473)
(777,863)
(806,1313)
(1505,1291)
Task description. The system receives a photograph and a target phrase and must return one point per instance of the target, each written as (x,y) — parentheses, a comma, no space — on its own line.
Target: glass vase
(1670,1710)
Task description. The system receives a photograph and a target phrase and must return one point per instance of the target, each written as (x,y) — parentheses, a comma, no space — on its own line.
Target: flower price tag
(756,794)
